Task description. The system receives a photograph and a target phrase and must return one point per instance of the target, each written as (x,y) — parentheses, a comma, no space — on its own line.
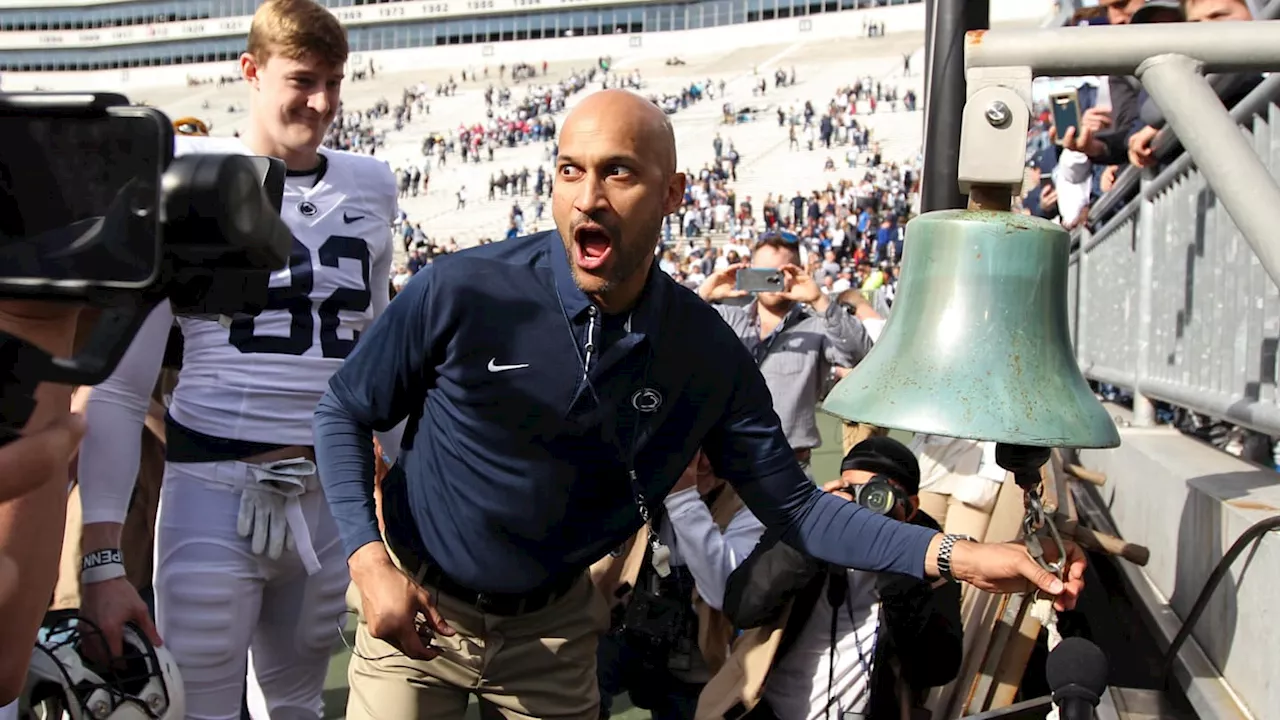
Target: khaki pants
(855,433)
(956,516)
(538,665)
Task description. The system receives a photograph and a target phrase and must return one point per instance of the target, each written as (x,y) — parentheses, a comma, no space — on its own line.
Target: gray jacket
(796,360)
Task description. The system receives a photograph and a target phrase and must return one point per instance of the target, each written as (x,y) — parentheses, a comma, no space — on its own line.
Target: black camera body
(95,209)
(659,624)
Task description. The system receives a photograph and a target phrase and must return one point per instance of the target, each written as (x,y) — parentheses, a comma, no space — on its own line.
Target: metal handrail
(1243,410)
(1127,181)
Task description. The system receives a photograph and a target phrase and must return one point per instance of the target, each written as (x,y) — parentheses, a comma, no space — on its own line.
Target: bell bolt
(998,113)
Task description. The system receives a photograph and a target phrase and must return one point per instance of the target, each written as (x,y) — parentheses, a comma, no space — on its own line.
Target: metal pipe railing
(1120,49)
(1228,162)
(1255,103)
(944,102)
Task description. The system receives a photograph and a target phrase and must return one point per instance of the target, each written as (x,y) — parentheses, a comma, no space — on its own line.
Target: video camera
(96,210)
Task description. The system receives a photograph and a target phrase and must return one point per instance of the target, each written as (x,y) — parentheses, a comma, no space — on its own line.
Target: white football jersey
(260,379)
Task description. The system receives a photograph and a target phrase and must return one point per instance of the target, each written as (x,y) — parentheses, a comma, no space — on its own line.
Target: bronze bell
(978,344)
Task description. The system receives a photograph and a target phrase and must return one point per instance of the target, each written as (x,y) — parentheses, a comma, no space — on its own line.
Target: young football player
(250,575)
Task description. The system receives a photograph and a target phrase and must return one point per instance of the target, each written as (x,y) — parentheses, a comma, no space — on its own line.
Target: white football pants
(225,612)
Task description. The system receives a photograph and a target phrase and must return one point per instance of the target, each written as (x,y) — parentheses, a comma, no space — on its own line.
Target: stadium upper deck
(85,35)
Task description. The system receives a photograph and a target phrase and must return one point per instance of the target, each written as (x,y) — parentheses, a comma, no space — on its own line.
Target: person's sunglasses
(779,236)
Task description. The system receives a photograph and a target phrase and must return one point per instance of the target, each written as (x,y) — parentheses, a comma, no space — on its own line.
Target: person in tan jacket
(707,532)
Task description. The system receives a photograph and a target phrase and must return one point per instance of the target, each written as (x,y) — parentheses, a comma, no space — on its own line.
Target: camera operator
(837,640)
(670,637)
(34,470)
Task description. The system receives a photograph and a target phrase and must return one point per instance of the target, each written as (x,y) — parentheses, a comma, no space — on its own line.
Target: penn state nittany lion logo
(646,400)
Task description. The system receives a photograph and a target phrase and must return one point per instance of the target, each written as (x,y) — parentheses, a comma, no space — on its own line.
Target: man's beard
(627,261)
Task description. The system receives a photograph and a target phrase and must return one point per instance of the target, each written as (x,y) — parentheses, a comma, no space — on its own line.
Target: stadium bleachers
(767,166)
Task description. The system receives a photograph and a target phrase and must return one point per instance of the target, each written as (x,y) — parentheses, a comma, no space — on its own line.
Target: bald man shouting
(556,387)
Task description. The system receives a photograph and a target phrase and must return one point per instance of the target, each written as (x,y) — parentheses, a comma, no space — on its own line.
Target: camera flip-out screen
(80,197)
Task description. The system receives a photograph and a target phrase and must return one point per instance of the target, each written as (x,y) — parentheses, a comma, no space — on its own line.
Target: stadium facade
(62,36)
(114,44)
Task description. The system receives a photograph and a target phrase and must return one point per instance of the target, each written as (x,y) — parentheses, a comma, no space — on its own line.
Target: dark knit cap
(883,455)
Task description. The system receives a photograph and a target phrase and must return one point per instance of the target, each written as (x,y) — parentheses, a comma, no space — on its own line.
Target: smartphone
(80,191)
(758,280)
(1065,106)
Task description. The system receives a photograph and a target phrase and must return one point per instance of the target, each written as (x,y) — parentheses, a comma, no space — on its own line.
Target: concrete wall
(1188,502)
(848,24)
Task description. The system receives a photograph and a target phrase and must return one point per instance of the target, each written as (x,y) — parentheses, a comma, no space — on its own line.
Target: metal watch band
(944,555)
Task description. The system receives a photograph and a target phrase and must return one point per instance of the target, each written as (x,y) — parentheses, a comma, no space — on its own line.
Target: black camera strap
(22,365)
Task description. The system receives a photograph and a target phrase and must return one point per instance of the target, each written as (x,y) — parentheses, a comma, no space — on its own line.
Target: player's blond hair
(297,29)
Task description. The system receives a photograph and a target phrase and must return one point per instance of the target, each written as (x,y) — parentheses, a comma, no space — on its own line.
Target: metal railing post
(1224,156)
(944,104)
(1081,300)
(1144,413)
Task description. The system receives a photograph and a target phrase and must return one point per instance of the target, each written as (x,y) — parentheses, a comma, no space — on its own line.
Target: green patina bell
(978,344)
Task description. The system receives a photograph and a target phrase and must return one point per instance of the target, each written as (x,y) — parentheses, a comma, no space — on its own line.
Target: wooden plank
(981,613)
(1013,662)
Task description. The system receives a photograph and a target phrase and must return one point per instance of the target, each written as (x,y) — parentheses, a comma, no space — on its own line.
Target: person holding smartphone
(795,334)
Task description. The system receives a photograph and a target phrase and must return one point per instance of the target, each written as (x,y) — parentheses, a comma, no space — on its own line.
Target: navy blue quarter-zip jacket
(527,407)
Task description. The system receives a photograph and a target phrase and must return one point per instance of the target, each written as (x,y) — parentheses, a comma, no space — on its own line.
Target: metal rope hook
(1034,522)
(1025,463)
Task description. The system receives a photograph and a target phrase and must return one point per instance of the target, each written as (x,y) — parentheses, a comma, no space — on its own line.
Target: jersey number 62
(296,299)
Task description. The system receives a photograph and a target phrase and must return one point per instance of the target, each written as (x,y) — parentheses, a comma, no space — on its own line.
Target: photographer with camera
(668,636)
(838,640)
(247,553)
(33,487)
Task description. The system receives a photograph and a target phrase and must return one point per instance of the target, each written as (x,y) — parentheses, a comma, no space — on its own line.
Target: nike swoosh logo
(495,367)
(348,219)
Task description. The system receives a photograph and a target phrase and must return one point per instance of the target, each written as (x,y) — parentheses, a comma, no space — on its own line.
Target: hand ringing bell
(978,344)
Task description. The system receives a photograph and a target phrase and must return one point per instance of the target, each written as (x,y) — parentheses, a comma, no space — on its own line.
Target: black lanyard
(615,419)
(837,593)
(625,414)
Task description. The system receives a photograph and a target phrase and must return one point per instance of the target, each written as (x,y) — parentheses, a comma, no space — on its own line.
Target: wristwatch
(944,555)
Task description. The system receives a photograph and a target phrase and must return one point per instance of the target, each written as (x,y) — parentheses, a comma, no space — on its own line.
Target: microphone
(1077,675)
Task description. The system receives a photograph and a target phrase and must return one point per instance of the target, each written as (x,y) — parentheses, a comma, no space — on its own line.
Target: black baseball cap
(883,455)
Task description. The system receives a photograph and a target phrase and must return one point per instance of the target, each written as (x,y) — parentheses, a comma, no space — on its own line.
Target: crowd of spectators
(1070,169)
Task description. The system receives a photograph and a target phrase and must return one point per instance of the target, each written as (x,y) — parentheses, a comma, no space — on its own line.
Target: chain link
(1034,522)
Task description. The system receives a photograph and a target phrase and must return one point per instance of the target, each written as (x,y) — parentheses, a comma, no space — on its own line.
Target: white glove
(271,511)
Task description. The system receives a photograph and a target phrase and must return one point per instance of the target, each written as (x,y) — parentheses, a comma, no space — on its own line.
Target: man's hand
(837,487)
(719,285)
(688,478)
(111,604)
(1049,199)
(391,604)
(1009,568)
(802,288)
(1083,140)
(28,463)
(1140,150)
(35,459)
(1108,179)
